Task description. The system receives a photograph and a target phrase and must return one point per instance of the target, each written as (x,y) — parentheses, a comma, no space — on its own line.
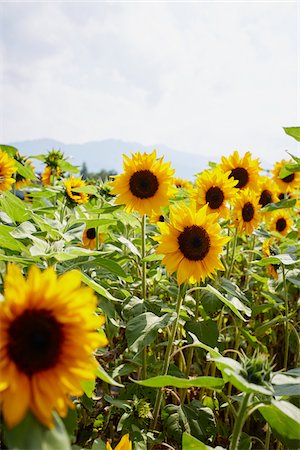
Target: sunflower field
(148,311)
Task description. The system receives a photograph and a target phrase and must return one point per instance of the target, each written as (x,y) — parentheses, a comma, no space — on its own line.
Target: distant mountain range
(107,154)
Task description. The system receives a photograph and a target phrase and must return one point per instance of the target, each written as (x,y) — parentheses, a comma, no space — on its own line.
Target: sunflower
(244,169)
(46,175)
(22,181)
(42,359)
(268,191)
(7,168)
(89,238)
(191,243)
(124,444)
(214,188)
(180,183)
(281,222)
(75,197)
(288,183)
(246,216)
(267,251)
(145,185)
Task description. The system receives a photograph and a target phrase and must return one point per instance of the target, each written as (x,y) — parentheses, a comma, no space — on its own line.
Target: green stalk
(239,423)
(167,357)
(144,286)
(268,438)
(233,254)
(286,324)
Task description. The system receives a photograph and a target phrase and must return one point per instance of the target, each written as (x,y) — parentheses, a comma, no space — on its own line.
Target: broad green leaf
(288,169)
(285,203)
(196,343)
(32,435)
(191,443)
(25,171)
(205,330)
(11,151)
(67,167)
(117,403)
(283,417)
(88,387)
(293,132)
(243,385)
(129,245)
(24,230)
(142,330)
(285,258)
(86,189)
(15,208)
(112,266)
(168,380)
(152,257)
(99,289)
(235,305)
(100,373)
(9,241)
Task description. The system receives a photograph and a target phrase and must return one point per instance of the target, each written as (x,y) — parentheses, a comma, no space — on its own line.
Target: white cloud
(199,77)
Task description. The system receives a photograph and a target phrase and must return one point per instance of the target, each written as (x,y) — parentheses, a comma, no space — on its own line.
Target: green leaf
(14,207)
(88,387)
(142,330)
(86,189)
(25,171)
(293,132)
(191,443)
(285,203)
(168,380)
(100,373)
(32,435)
(65,166)
(205,330)
(243,385)
(129,245)
(285,258)
(99,289)
(152,257)
(283,417)
(8,241)
(235,305)
(111,266)
(11,151)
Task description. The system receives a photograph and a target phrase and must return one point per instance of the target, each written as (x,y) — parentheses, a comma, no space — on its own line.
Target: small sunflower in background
(288,183)
(244,169)
(145,185)
(89,238)
(47,173)
(246,215)
(191,243)
(267,191)
(180,183)
(42,359)
(124,444)
(52,161)
(268,250)
(22,181)
(7,168)
(72,195)
(281,222)
(214,188)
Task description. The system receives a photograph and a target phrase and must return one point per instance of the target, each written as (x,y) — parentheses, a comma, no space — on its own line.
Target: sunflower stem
(286,324)
(233,254)
(144,286)
(167,356)
(239,422)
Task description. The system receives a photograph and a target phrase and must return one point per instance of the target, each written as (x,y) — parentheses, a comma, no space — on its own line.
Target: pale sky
(200,77)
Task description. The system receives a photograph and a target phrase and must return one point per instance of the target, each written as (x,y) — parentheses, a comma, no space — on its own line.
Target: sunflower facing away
(89,238)
(214,188)
(124,444)
(288,183)
(22,181)
(7,168)
(145,185)
(243,169)
(246,215)
(75,197)
(281,222)
(46,175)
(48,335)
(191,243)
(267,250)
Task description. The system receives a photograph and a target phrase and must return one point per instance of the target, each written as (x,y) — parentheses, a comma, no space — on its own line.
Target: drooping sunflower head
(268,191)
(246,215)
(47,173)
(244,169)
(289,182)
(7,168)
(145,185)
(191,243)
(215,188)
(89,238)
(42,359)
(74,196)
(269,250)
(281,222)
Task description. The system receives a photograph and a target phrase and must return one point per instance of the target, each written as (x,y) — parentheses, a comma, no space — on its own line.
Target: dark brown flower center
(240,174)
(281,224)
(289,178)
(194,243)
(35,341)
(214,197)
(143,184)
(161,218)
(248,212)
(91,233)
(265,198)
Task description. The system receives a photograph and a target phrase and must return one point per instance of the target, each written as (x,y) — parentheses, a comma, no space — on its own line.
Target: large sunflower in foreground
(191,243)
(246,215)
(71,184)
(214,188)
(48,335)
(281,222)
(244,169)
(288,183)
(145,185)
(7,168)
